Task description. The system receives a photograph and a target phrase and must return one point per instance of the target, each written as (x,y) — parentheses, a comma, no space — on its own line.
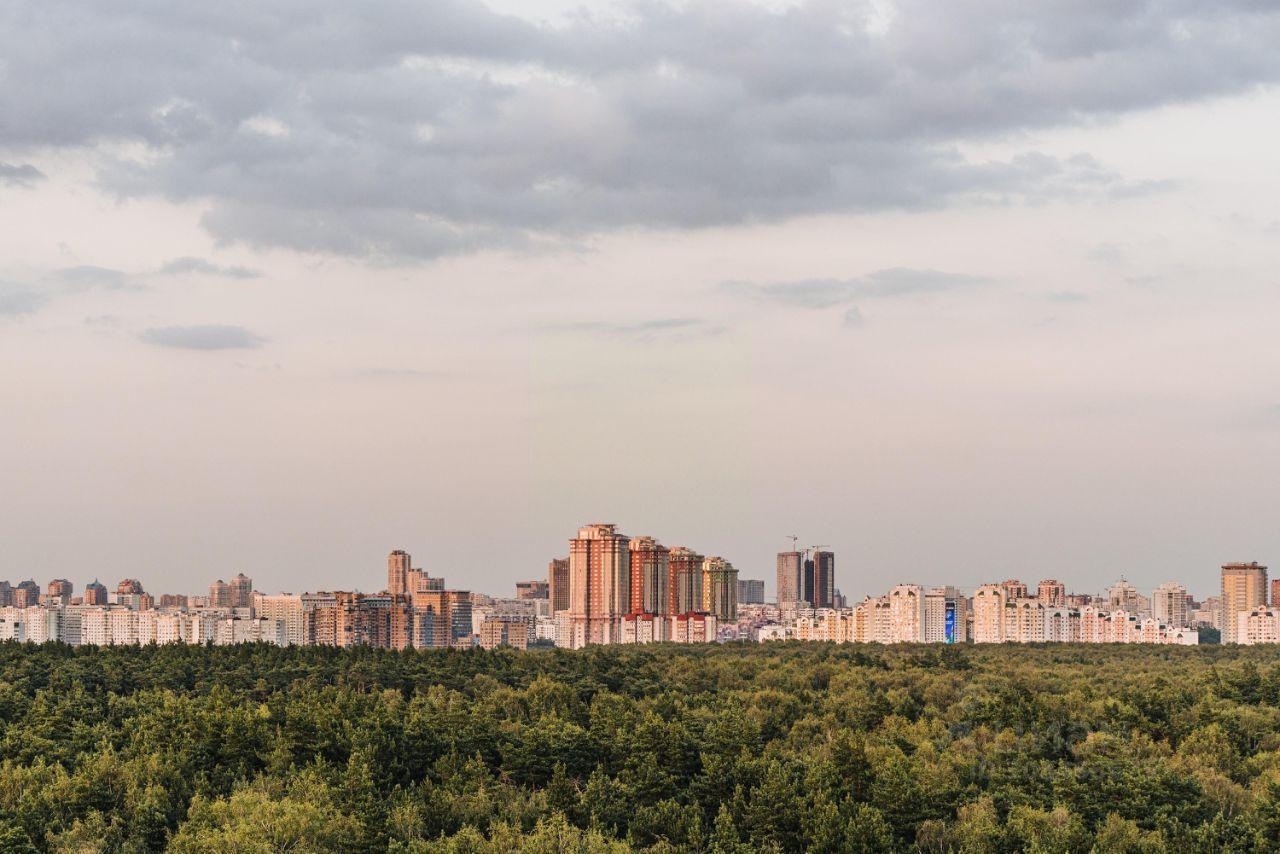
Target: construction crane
(794,539)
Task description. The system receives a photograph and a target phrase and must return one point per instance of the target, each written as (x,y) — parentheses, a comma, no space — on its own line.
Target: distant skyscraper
(219,594)
(60,591)
(790,579)
(1169,605)
(906,613)
(398,566)
(129,587)
(26,594)
(684,580)
(988,613)
(946,615)
(599,584)
(1014,589)
(1124,596)
(750,591)
(1275,592)
(824,579)
(650,576)
(558,582)
(1244,587)
(534,589)
(95,593)
(241,588)
(1052,593)
(720,589)
(286,608)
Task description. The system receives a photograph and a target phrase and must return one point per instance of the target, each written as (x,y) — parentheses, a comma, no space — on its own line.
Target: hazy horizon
(963,292)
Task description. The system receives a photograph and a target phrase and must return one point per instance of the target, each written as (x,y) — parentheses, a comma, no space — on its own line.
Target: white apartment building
(1061,625)
(1260,625)
(169,627)
(988,614)
(1169,605)
(1024,621)
(693,628)
(644,628)
(826,624)
(233,630)
(906,613)
(545,629)
(946,615)
(12,626)
(285,607)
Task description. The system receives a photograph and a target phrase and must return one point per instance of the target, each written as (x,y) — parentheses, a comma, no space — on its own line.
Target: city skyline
(635,590)
(1203,583)
(397,576)
(960,286)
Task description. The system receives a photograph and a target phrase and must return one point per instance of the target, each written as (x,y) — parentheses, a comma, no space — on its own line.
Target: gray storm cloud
(405,129)
(20,175)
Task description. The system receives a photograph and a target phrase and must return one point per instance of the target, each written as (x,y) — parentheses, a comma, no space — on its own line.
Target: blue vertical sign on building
(951,622)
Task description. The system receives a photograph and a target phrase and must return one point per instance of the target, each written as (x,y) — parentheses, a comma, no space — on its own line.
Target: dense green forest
(665,748)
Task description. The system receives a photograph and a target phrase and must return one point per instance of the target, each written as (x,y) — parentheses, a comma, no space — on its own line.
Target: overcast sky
(964,290)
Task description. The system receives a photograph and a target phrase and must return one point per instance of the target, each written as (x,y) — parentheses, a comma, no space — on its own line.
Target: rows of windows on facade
(612,588)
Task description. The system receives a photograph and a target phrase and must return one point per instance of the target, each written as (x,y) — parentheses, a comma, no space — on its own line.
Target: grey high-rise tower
(790,579)
(824,579)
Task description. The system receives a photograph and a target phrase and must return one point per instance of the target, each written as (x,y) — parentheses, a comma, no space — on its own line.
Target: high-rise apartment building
(1052,593)
(1123,596)
(946,615)
(533,589)
(720,589)
(129,587)
(1244,588)
(750,591)
(285,607)
(822,594)
(26,594)
(95,593)
(451,616)
(1275,592)
(906,613)
(790,579)
(241,591)
(650,576)
(505,631)
(988,613)
(59,591)
(1169,605)
(558,584)
(1014,589)
(599,584)
(684,568)
(1024,621)
(329,618)
(398,565)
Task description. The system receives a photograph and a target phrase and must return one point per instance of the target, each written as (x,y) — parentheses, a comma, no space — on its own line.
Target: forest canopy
(731,748)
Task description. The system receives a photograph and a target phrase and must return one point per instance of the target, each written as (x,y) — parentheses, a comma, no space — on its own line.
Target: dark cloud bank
(408,129)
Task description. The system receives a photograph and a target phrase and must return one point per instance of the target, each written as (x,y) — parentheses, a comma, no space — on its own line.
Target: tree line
(723,748)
